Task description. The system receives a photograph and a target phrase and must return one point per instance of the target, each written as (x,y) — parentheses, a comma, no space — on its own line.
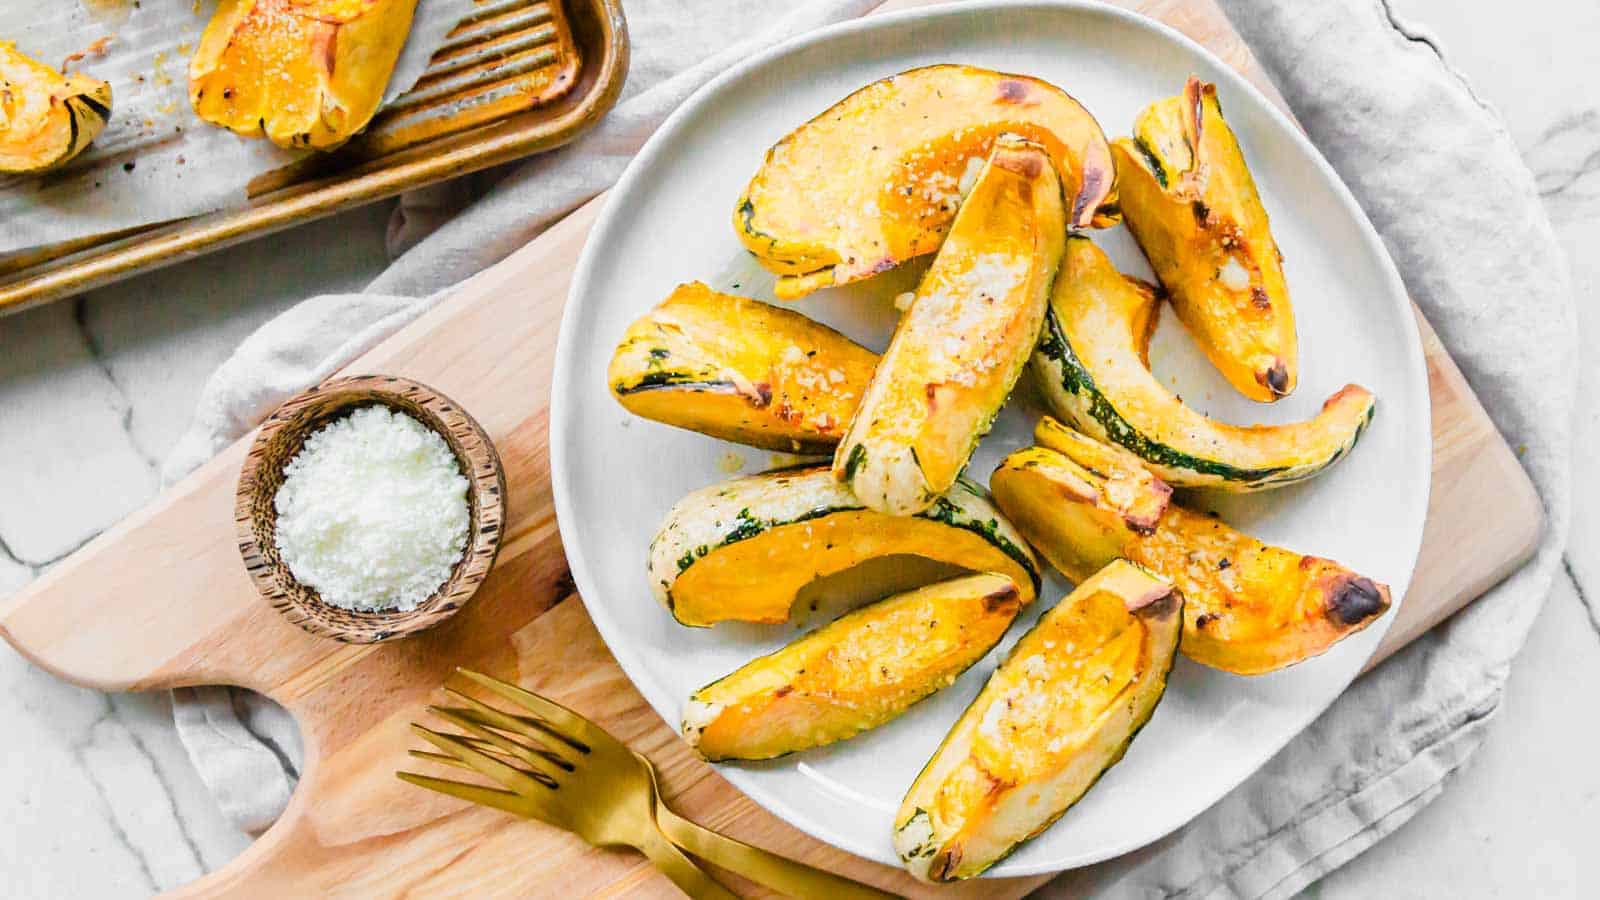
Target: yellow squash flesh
(1249,607)
(965,340)
(743,549)
(1059,712)
(854,674)
(46,118)
(740,370)
(304,73)
(1091,368)
(1129,485)
(1189,200)
(876,179)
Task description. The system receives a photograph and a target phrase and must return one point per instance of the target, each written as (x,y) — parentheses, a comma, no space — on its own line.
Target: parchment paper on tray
(156,161)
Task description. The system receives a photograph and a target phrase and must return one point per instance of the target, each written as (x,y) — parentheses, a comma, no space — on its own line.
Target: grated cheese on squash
(373,512)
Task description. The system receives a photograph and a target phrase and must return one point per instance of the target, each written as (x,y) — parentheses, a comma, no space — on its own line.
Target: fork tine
(531,742)
(530,728)
(481,762)
(558,716)
(509,801)
(491,749)
(444,759)
(537,759)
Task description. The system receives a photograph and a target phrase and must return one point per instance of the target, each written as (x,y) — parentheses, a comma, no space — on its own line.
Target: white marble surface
(100,799)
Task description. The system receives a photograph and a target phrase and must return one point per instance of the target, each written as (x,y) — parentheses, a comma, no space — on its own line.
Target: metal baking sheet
(513,78)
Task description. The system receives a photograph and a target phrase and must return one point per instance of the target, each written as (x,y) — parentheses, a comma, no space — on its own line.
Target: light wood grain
(162,600)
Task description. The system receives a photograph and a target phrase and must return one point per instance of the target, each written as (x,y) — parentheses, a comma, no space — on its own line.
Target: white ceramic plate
(668,221)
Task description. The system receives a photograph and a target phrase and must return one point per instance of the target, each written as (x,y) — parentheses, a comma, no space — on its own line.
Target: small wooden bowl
(281,437)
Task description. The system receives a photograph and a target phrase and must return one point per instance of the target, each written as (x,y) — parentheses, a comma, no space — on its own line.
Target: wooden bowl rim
(315,407)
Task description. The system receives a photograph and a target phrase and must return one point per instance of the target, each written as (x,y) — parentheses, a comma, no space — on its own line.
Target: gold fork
(562,769)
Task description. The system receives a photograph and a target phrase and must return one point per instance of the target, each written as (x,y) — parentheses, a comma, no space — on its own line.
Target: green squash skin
(942,510)
(653,380)
(1074,395)
(747,216)
(858,455)
(100,109)
(76,107)
(945,511)
(1152,161)
(657,376)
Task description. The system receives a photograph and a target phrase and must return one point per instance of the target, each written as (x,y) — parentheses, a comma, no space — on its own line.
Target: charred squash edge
(1359,601)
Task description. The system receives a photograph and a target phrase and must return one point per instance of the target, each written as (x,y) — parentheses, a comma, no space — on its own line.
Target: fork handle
(690,878)
(789,876)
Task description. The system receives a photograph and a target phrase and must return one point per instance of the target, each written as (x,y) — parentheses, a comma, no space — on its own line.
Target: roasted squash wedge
(744,548)
(877,178)
(740,370)
(1249,607)
(965,340)
(46,118)
(854,674)
(1059,712)
(305,73)
(1189,200)
(1090,365)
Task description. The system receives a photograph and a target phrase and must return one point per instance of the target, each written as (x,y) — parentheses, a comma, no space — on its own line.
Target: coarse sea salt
(373,511)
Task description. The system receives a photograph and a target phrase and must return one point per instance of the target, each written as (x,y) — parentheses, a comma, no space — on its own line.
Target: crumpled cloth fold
(1441,180)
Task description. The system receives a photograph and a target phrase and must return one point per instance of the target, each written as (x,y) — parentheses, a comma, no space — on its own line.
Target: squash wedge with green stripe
(740,370)
(1059,712)
(876,179)
(964,342)
(46,118)
(1189,200)
(853,674)
(1249,607)
(1091,368)
(742,549)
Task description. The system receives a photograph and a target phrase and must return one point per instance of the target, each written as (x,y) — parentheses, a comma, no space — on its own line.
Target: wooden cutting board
(162,600)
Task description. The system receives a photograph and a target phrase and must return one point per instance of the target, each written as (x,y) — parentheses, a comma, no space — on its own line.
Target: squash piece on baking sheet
(304,73)
(46,118)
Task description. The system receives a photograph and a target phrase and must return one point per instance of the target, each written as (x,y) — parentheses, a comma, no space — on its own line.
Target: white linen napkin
(1441,180)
